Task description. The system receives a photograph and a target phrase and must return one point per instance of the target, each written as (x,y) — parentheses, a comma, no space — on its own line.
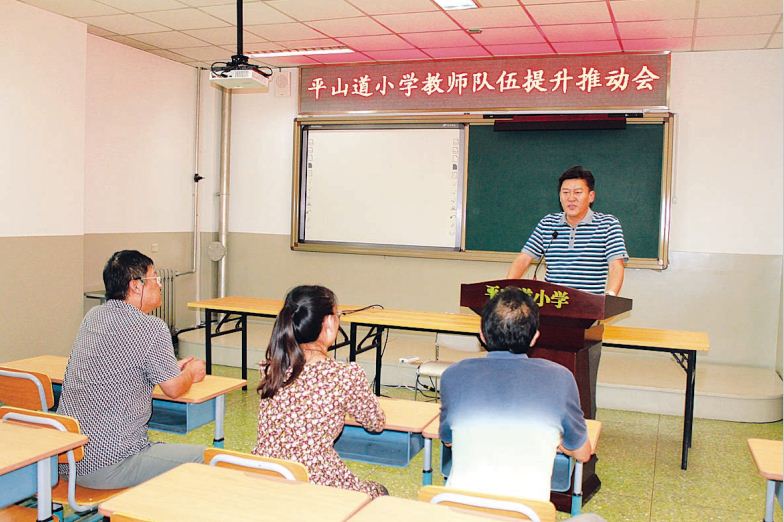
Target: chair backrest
(461,343)
(45,418)
(512,507)
(262,465)
(28,390)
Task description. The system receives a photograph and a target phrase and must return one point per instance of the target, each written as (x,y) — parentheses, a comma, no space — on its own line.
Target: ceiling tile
(362,26)
(171,56)
(286,61)
(376,43)
(170,40)
(224,36)
(578,13)
(317,42)
(657,29)
(519,49)
(284,31)
(499,3)
(74,8)
(131,42)
(181,19)
(737,26)
(579,32)
(374,7)
(516,35)
(305,10)
(587,47)
(542,2)
(138,6)
(456,52)
(342,58)
(628,10)
(252,14)
(658,44)
(203,3)
(438,39)
(399,54)
(98,31)
(722,8)
(124,24)
(723,43)
(492,17)
(207,54)
(418,22)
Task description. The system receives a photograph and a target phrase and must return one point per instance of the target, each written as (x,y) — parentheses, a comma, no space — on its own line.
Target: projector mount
(239,62)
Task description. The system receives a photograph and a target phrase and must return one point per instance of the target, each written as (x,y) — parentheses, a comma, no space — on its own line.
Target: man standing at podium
(583,249)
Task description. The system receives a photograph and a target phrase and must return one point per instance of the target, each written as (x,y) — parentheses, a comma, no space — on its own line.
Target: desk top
(405,415)
(199,492)
(594,430)
(54,367)
(767,455)
(25,445)
(394,509)
(235,303)
(650,337)
(432,321)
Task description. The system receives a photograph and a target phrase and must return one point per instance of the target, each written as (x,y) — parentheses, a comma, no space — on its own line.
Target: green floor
(639,463)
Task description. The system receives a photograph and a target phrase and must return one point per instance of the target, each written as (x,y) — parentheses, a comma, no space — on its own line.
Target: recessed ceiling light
(451,5)
(300,52)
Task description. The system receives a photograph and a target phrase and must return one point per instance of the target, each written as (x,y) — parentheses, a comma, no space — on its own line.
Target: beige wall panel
(174,251)
(732,297)
(41,302)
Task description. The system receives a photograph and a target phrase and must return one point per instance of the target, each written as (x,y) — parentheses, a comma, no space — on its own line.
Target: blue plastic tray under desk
(22,483)
(389,448)
(180,417)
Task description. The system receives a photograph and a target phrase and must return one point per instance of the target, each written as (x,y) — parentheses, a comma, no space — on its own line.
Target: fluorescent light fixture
(300,52)
(452,5)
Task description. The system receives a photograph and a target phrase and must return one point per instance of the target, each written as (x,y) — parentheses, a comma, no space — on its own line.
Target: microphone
(553,238)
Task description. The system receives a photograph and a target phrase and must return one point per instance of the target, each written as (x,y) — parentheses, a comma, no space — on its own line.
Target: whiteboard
(382,185)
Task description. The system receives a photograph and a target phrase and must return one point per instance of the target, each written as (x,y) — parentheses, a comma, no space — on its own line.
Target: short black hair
(577,172)
(509,321)
(122,268)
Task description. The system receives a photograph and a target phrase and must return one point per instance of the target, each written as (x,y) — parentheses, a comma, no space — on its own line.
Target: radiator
(168,298)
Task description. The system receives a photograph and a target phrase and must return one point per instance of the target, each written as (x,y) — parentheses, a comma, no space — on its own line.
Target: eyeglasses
(157,279)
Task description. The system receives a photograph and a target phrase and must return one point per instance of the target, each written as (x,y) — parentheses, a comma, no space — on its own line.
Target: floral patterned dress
(302,421)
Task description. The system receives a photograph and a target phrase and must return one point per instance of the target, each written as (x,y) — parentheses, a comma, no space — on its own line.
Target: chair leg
(770,495)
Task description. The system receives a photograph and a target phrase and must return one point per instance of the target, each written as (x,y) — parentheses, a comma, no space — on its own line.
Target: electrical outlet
(154,248)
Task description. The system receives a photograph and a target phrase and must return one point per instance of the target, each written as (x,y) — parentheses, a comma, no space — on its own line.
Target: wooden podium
(567,336)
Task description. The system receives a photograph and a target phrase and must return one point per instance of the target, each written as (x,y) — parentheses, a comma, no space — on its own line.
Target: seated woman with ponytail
(305,394)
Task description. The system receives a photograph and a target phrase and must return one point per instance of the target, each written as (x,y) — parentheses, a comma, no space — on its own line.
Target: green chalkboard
(513,182)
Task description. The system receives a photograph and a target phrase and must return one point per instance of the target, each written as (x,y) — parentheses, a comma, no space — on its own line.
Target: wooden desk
(193,403)
(393,509)
(199,492)
(683,346)
(767,455)
(25,445)
(401,439)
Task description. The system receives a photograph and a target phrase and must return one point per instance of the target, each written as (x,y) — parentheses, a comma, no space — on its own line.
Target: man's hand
(196,368)
(182,362)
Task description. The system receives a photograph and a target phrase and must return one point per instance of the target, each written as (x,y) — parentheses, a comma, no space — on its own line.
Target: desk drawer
(180,417)
(388,448)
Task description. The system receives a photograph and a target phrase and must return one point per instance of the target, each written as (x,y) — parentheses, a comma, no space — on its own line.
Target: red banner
(597,81)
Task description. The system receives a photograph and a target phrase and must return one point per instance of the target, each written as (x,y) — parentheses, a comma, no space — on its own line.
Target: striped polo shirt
(579,256)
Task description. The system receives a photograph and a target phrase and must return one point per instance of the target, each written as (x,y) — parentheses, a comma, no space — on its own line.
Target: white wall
(140,141)
(728,163)
(42,118)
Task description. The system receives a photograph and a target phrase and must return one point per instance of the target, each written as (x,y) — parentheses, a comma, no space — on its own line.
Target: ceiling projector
(245,78)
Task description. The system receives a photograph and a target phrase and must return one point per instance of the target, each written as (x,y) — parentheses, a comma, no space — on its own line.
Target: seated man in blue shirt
(506,415)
